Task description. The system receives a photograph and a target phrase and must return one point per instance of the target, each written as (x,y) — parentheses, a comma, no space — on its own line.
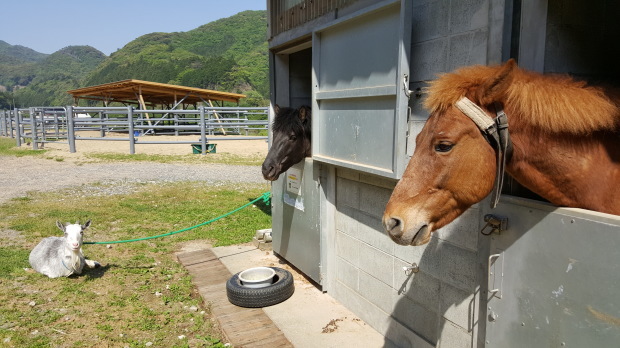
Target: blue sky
(47,26)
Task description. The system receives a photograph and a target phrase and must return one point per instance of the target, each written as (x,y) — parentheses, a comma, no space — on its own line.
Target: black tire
(242,296)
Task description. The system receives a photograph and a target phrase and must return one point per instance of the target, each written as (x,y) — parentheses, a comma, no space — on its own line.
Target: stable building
(362,66)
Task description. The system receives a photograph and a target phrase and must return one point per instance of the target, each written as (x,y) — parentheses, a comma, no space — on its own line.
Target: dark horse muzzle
(290,141)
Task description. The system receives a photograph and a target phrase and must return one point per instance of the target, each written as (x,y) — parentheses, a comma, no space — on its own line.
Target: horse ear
(276,109)
(304,113)
(60,225)
(494,89)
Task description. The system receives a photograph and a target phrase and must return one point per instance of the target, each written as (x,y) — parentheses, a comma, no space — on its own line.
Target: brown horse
(565,147)
(291,140)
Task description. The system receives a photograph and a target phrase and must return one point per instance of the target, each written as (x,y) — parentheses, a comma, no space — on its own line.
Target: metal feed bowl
(257,277)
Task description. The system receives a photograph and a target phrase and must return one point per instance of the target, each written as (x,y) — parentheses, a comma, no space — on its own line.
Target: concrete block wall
(436,307)
(448,34)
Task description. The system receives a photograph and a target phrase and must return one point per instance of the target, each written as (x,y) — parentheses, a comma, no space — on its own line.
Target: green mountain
(38,79)
(17,64)
(57,73)
(228,55)
(18,54)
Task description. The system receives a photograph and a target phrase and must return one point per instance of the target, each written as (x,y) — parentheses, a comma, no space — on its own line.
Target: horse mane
(551,103)
(288,120)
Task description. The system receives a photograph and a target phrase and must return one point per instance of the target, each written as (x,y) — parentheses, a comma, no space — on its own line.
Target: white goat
(61,256)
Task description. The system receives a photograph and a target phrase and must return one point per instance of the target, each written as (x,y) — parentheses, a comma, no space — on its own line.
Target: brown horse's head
(453,166)
(290,142)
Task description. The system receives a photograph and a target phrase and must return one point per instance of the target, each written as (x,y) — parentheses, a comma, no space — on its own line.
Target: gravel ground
(20,175)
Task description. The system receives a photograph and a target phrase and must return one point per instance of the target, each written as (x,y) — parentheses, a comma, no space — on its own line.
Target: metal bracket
(495,224)
(495,274)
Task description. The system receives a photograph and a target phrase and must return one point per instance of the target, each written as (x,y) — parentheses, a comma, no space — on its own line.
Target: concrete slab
(310,318)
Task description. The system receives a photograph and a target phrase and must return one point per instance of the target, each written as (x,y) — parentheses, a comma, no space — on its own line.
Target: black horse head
(290,140)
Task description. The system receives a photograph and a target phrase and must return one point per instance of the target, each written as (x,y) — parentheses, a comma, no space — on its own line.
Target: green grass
(8,147)
(12,260)
(141,293)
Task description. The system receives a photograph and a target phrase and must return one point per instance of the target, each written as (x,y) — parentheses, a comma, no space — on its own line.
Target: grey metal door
(359,110)
(554,278)
(295,218)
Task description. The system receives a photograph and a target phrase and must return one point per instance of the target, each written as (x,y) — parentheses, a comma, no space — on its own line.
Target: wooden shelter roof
(153,93)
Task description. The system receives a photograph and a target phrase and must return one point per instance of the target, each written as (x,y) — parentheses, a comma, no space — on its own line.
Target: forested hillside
(228,55)
(16,54)
(17,66)
(58,73)
(37,79)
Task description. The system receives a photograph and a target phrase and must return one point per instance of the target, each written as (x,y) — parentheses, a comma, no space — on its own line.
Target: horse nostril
(393,226)
(267,169)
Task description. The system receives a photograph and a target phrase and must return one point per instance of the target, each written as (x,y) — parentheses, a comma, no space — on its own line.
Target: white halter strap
(473,111)
(495,131)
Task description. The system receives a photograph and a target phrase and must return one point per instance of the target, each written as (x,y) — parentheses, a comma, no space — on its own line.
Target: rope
(265,197)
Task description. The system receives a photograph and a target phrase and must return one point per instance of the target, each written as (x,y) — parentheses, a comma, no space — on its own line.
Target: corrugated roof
(153,93)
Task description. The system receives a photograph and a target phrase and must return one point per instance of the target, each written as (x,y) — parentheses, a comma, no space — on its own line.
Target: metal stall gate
(296,218)
(554,273)
(296,194)
(554,277)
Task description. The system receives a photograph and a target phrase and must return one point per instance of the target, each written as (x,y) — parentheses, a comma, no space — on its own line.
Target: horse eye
(443,147)
(293,137)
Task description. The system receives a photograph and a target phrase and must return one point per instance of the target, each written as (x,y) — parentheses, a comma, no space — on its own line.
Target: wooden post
(216,116)
(143,105)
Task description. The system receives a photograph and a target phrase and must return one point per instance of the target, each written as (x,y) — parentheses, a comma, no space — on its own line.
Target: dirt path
(236,147)
(19,175)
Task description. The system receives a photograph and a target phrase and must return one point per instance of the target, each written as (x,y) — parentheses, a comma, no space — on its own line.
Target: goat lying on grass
(61,256)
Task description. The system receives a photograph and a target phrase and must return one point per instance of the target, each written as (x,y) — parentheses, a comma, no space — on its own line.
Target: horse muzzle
(417,233)
(271,172)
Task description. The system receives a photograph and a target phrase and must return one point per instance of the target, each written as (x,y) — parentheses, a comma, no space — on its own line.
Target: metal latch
(495,224)
(406,86)
(417,93)
(414,268)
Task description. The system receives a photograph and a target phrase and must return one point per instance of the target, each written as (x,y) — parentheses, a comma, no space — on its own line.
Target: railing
(42,125)
(289,14)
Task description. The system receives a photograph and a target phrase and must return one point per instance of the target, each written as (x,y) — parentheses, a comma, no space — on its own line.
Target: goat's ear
(495,88)
(60,225)
(276,109)
(85,226)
